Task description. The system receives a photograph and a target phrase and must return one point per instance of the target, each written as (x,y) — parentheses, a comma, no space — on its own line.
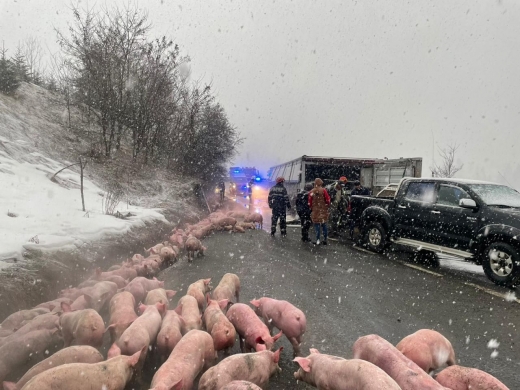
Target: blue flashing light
(236,171)
(258,178)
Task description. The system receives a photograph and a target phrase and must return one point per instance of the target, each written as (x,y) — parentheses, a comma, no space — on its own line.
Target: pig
(140,286)
(15,320)
(122,314)
(464,378)
(141,334)
(240,385)
(54,305)
(168,255)
(237,214)
(87,283)
(239,229)
(78,354)
(285,317)
(247,225)
(255,218)
(228,288)
(222,331)
(81,327)
(335,373)
(170,333)
(193,245)
(48,321)
(15,354)
(198,291)
(112,374)
(188,309)
(191,356)
(406,373)
(143,270)
(154,250)
(114,267)
(159,295)
(255,367)
(178,239)
(428,349)
(224,221)
(71,293)
(96,296)
(252,331)
(118,280)
(126,273)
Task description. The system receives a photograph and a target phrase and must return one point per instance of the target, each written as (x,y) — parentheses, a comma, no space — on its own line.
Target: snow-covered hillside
(37,213)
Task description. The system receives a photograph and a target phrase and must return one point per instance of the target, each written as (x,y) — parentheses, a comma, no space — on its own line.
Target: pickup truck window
(420,192)
(497,195)
(451,195)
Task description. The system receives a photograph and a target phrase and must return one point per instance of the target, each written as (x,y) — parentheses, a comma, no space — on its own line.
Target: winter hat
(280,179)
(308,187)
(318,182)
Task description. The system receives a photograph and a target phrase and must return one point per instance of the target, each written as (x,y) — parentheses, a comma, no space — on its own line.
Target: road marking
(422,269)
(491,292)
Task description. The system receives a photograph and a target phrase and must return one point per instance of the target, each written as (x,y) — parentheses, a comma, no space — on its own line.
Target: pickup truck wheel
(501,264)
(375,237)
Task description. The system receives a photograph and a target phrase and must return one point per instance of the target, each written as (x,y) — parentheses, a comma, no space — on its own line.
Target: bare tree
(447,167)
(33,53)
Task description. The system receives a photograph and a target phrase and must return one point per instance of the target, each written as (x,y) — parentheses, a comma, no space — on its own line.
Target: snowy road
(347,293)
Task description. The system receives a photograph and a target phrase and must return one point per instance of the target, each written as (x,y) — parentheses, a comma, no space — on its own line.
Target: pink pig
(170,333)
(334,373)
(126,273)
(255,218)
(122,314)
(428,349)
(286,317)
(95,297)
(48,321)
(240,385)
(82,327)
(141,333)
(253,332)
(222,331)
(77,354)
(198,291)
(140,286)
(193,245)
(16,320)
(464,378)
(406,373)
(112,374)
(15,354)
(228,288)
(188,309)
(189,358)
(159,295)
(255,367)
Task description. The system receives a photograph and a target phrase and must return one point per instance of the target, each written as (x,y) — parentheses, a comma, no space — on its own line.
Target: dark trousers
(279,215)
(306,223)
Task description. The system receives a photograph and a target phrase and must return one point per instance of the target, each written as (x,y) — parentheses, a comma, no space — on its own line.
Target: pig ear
(89,300)
(178,310)
(314,351)
(161,284)
(276,355)
(142,308)
(154,278)
(278,336)
(223,303)
(255,303)
(170,293)
(9,386)
(161,307)
(65,307)
(135,357)
(177,386)
(304,363)
(206,281)
(110,328)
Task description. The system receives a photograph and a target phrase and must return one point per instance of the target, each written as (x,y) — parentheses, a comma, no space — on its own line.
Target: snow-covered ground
(37,213)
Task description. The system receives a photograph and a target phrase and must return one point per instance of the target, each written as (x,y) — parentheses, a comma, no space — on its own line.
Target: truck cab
(474,220)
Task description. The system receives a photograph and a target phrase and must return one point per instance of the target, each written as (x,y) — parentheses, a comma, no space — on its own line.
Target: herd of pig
(65,336)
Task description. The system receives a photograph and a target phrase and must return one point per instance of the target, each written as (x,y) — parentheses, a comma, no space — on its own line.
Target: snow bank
(36,213)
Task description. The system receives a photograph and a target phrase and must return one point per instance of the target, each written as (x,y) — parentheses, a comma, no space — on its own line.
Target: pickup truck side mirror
(468,203)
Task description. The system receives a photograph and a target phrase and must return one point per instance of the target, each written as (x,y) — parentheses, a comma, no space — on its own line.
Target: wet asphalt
(347,292)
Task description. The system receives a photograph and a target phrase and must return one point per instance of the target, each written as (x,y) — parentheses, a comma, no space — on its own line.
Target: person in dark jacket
(278,201)
(304,211)
(354,213)
(222,189)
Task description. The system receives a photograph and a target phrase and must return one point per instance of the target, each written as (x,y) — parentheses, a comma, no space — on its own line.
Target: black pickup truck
(474,220)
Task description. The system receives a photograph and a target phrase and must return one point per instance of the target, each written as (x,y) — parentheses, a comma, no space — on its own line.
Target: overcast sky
(343,78)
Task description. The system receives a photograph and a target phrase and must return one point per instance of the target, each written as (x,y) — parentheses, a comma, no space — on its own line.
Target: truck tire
(375,237)
(501,264)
